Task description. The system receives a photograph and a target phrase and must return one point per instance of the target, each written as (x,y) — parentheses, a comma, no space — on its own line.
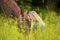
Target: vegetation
(9,29)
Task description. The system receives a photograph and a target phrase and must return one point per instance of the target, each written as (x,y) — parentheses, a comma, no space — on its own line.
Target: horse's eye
(12,15)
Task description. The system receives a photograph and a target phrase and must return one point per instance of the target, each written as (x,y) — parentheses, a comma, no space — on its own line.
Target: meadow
(51,31)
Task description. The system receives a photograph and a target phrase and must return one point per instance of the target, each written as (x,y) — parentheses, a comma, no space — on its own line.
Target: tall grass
(9,30)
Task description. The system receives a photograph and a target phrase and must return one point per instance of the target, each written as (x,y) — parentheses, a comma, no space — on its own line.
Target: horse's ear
(25,14)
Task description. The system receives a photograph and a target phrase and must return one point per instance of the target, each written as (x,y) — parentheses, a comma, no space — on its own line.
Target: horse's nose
(36,17)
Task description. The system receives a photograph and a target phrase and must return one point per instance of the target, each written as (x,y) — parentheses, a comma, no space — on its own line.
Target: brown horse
(10,7)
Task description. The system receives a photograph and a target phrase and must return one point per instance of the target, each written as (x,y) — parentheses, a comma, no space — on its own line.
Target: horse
(10,7)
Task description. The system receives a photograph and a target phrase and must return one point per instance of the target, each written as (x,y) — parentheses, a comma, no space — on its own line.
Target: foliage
(9,30)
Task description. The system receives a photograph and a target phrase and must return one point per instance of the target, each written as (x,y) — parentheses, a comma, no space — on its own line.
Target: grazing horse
(11,8)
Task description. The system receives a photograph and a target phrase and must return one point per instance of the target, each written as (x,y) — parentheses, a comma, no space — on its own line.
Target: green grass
(9,30)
